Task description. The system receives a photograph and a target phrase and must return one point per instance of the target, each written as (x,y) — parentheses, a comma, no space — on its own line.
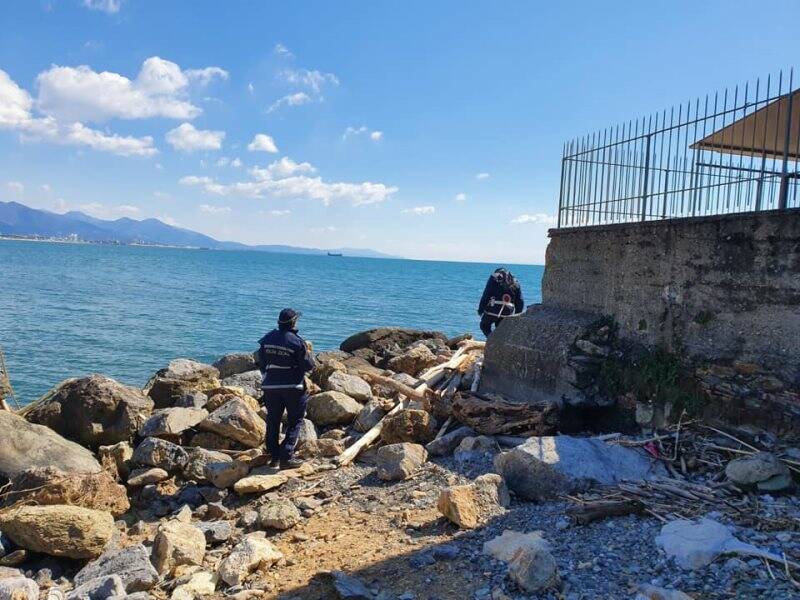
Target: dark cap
(288,315)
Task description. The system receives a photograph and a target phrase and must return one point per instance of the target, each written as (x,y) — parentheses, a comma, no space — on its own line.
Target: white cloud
(297,99)
(482,176)
(15,187)
(45,187)
(460,197)
(128,209)
(205,76)
(168,220)
(162,195)
(186,138)
(16,114)
(282,50)
(280,169)
(101,211)
(60,205)
(262,143)
(280,213)
(236,163)
(214,210)
(108,6)
(159,166)
(325,229)
(375,136)
(420,210)
(538,218)
(82,94)
(315,80)
(195,180)
(250,87)
(297,187)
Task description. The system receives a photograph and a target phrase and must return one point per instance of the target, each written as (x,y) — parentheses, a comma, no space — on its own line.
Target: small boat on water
(335,254)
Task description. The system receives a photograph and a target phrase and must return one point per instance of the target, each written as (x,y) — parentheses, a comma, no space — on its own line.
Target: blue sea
(67,310)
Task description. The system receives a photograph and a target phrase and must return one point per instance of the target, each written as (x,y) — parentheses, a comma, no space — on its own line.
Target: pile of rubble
(116,492)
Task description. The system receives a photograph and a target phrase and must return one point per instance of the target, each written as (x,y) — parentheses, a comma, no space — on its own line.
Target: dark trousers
(294,403)
(487,321)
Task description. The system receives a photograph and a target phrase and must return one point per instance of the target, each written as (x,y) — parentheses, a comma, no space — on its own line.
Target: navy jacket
(283,360)
(495,290)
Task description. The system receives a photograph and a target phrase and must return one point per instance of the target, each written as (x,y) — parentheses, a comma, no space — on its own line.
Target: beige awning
(759,133)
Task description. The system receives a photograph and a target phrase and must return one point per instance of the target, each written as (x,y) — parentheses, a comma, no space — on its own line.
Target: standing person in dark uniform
(284,358)
(502,297)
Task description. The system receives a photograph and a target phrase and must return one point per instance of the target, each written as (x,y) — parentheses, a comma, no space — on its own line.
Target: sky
(428,130)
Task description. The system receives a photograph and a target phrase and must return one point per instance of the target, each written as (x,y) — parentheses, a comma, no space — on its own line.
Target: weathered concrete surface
(723,288)
(526,356)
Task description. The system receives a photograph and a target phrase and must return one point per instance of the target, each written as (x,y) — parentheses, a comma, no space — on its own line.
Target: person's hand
(309,346)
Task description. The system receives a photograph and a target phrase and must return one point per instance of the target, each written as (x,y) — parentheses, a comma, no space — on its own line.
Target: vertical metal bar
(784,189)
(669,155)
(760,185)
(561,187)
(646,177)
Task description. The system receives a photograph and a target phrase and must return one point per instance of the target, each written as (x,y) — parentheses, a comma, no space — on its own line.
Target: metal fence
(733,151)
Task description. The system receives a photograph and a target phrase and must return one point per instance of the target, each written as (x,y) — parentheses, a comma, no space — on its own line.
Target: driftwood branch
(349,455)
(497,416)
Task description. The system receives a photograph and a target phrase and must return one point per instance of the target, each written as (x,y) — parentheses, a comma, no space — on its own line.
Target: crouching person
(284,358)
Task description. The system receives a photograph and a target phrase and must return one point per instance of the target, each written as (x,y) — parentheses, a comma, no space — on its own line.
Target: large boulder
(155,452)
(24,445)
(253,552)
(409,425)
(116,459)
(50,485)
(413,361)
(696,544)
(170,423)
(351,385)
(59,530)
(235,364)
(225,474)
(18,588)
(236,420)
(249,381)
(131,564)
(473,504)
(762,470)
(199,459)
(107,587)
(94,411)
(178,544)
(396,462)
(388,339)
(332,408)
(544,467)
(181,377)
(370,415)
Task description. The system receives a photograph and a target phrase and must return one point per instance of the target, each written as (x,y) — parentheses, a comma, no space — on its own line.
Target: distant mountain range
(19,220)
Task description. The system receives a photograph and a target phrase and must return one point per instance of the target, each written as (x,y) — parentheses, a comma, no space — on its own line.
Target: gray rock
(253,552)
(370,415)
(199,458)
(192,400)
(25,446)
(308,434)
(94,411)
(250,382)
(237,421)
(100,588)
(651,592)
(225,474)
(18,588)
(544,467)
(131,564)
(348,587)
(332,408)
(281,515)
(762,470)
(449,442)
(235,364)
(351,385)
(156,452)
(695,544)
(533,568)
(171,422)
(473,448)
(216,532)
(178,544)
(396,462)
(182,376)
(147,476)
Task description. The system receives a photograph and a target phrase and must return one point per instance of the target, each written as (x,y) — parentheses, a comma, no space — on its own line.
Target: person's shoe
(274,464)
(291,463)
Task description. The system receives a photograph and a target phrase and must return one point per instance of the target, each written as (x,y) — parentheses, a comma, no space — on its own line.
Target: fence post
(646,181)
(783,194)
(561,191)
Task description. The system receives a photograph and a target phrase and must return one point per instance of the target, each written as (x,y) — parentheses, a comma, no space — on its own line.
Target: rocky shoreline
(414,488)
